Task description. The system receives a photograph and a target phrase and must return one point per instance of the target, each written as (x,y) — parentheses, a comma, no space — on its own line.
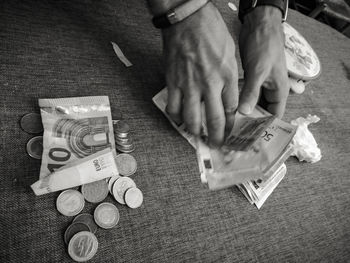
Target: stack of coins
(31,124)
(123,141)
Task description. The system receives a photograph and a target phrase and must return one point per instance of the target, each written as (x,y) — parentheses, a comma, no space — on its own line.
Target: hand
(261,45)
(200,63)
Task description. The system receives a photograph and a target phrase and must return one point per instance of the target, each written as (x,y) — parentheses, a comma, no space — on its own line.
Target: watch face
(302,61)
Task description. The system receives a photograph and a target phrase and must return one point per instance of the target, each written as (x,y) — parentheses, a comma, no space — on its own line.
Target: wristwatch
(246,6)
(178,13)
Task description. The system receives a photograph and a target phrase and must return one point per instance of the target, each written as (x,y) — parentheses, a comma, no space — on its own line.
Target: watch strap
(246,6)
(178,13)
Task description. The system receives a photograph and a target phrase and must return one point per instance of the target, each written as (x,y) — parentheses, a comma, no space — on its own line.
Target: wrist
(159,7)
(208,14)
(263,16)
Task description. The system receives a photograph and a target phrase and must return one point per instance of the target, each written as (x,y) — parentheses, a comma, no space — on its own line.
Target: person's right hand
(200,62)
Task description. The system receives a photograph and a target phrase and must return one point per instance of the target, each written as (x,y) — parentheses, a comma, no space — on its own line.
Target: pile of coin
(80,234)
(106,215)
(31,124)
(123,141)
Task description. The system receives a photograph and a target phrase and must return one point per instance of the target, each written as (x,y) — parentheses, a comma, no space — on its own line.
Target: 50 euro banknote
(74,128)
(254,144)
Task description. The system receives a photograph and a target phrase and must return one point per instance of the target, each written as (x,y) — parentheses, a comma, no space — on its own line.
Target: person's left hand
(261,45)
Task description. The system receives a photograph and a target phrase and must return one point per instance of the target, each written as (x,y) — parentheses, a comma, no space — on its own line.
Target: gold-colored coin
(31,123)
(111,182)
(88,220)
(70,202)
(35,147)
(106,215)
(126,164)
(73,229)
(95,192)
(120,186)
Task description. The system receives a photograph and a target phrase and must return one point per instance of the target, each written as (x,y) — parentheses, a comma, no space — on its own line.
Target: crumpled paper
(304,144)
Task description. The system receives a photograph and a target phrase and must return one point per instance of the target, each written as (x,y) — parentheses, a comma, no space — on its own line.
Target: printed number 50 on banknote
(73,129)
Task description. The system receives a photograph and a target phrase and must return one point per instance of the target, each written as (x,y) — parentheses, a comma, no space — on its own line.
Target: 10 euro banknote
(74,128)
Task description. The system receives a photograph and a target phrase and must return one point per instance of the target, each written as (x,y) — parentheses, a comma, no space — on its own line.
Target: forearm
(158,7)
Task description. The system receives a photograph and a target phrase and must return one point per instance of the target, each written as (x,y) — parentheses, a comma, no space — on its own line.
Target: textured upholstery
(51,49)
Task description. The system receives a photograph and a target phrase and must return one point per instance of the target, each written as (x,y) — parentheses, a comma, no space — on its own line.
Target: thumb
(251,90)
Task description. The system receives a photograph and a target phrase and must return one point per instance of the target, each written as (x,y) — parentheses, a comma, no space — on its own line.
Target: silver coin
(35,147)
(121,126)
(83,246)
(31,123)
(88,220)
(125,150)
(133,197)
(111,182)
(95,192)
(126,146)
(70,202)
(106,215)
(124,141)
(121,129)
(73,229)
(126,164)
(121,135)
(119,188)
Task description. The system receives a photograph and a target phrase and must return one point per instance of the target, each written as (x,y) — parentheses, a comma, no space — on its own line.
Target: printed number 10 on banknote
(73,129)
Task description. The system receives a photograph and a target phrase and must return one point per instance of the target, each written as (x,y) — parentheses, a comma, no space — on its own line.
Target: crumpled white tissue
(304,144)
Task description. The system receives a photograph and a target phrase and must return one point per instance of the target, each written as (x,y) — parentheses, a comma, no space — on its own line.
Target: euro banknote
(74,128)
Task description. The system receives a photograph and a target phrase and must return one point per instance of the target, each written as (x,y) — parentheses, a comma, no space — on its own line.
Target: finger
(276,98)
(192,112)
(230,103)
(215,118)
(251,89)
(174,105)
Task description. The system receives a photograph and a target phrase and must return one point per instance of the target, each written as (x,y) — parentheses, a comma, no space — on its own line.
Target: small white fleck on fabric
(232,6)
(121,55)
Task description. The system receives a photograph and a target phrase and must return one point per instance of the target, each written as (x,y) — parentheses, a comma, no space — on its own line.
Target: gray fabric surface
(51,49)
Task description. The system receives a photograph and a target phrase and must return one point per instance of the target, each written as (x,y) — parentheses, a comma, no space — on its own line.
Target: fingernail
(245,108)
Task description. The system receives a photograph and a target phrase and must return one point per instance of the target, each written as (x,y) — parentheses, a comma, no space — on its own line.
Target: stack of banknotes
(252,157)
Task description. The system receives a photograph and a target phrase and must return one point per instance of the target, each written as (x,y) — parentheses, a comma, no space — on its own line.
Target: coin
(126,164)
(125,147)
(70,202)
(111,182)
(73,229)
(95,192)
(88,220)
(31,123)
(133,197)
(121,128)
(35,147)
(83,246)
(106,215)
(125,150)
(122,141)
(120,186)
